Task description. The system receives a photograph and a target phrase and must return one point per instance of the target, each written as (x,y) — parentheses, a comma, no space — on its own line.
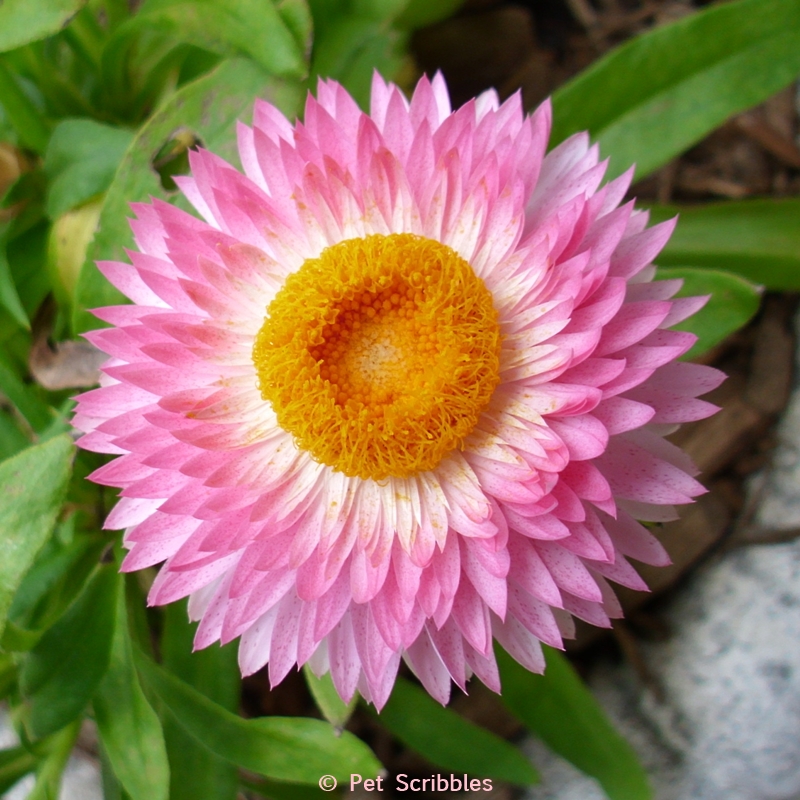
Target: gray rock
(731,676)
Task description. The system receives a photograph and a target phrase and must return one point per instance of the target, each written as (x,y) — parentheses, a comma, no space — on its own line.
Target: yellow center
(380,355)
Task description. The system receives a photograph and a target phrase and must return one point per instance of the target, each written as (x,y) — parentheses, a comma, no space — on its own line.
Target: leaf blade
(62,672)
(682,80)
(333,708)
(9,297)
(448,740)
(24,21)
(15,763)
(285,748)
(80,161)
(34,484)
(757,239)
(24,397)
(194,771)
(230,28)
(560,709)
(129,729)
(733,303)
(30,126)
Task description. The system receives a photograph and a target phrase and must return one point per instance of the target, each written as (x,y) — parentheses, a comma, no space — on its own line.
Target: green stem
(48,778)
(27,121)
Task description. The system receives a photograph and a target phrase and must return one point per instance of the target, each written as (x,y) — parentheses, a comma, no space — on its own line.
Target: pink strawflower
(403,390)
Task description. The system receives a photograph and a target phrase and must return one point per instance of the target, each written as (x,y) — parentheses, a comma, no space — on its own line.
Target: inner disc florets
(380,355)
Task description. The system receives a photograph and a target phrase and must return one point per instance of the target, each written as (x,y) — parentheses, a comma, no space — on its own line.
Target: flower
(401,391)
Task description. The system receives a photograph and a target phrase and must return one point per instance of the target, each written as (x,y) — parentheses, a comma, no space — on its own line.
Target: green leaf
(129,729)
(19,640)
(659,93)
(86,37)
(34,483)
(15,763)
(214,671)
(560,709)
(81,159)
(23,21)
(8,675)
(296,17)
(419,13)
(117,11)
(24,397)
(23,116)
(9,298)
(112,789)
(351,48)
(448,740)
(333,708)
(48,775)
(140,68)
(26,254)
(758,239)
(285,748)
(60,675)
(208,107)
(733,303)
(379,10)
(276,790)
(12,439)
(70,237)
(231,28)
(52,583)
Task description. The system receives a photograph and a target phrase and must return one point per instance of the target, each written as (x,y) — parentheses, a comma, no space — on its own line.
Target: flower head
(401,391)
